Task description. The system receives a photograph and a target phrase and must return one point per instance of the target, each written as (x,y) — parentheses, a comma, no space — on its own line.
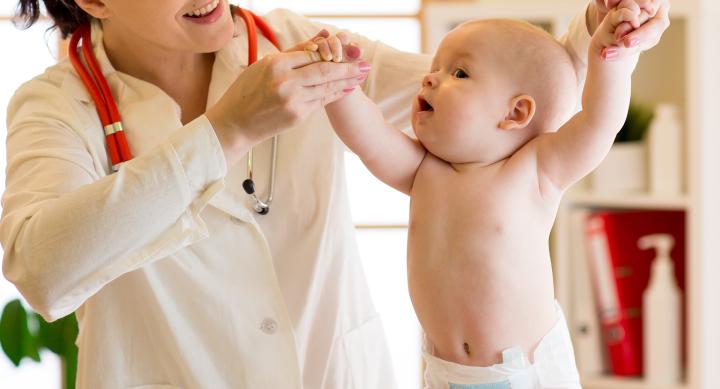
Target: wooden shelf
(624,383)
(626,201)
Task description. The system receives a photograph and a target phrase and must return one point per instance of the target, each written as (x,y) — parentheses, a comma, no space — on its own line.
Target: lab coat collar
(72,84)
(229,61)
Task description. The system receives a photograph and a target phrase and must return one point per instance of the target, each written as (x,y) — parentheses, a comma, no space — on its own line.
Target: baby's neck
(466,167)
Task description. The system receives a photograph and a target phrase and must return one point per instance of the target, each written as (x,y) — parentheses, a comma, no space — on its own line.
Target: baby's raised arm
(583,142)
(389,154)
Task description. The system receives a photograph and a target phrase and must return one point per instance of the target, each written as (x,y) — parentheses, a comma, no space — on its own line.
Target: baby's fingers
(344,39)
(336,48)
(629,15)
(622,29)
(324,49)
(309,44)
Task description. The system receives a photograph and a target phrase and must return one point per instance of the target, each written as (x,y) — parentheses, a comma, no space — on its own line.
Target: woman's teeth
(204,10)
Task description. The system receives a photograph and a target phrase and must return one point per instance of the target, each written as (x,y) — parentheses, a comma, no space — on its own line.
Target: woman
(175,280)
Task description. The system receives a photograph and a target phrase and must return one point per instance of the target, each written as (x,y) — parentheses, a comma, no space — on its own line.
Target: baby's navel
(467,348)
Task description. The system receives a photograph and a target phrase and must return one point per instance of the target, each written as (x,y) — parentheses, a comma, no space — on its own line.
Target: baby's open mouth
(424,105)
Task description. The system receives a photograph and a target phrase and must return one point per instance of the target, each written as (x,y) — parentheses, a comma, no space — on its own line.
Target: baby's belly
(473,303)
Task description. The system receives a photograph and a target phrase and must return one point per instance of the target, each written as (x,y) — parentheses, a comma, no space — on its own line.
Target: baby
(494,153)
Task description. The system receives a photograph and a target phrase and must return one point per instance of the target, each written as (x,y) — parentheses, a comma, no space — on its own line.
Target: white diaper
(554,366)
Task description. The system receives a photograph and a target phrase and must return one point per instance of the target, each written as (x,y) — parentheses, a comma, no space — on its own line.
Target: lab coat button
(268,326)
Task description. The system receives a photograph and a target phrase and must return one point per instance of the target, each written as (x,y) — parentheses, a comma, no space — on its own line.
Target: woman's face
(199,26)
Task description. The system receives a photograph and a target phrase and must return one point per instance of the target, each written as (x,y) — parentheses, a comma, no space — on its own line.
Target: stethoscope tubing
(106,107)
(252,24)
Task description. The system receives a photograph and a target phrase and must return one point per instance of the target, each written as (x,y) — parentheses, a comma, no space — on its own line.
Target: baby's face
(462,99)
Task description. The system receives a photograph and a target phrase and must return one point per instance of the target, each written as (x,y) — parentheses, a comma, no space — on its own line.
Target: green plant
(25,333)
(636,124)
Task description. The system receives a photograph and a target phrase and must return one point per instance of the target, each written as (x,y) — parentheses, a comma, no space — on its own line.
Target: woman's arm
(66,231)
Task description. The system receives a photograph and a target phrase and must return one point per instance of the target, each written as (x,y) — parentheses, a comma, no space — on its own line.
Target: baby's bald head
(533,62)
(494,85)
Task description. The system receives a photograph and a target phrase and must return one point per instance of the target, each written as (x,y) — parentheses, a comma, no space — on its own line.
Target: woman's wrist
(231,138)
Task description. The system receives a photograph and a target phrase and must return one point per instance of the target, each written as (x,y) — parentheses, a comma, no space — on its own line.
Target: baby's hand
(608,38)
(326,47)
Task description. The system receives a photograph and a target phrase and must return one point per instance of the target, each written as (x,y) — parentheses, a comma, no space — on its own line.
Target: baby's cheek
(461,117)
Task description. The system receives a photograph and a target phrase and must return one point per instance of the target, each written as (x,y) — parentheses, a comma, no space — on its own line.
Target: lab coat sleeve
(577,43)
(67,230)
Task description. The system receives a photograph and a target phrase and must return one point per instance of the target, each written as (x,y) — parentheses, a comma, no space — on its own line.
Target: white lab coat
(175,280)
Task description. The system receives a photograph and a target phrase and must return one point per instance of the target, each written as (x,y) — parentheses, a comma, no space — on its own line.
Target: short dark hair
(66,14)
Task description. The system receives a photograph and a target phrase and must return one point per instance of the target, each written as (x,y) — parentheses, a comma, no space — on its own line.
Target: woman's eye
(459,73)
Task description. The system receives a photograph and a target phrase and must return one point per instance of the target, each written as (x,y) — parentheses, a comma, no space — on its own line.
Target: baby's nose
(430,80)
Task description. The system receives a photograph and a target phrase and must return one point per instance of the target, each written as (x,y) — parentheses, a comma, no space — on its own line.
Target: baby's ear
(522,110)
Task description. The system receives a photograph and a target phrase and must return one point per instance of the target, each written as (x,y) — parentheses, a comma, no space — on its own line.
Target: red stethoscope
(97,86)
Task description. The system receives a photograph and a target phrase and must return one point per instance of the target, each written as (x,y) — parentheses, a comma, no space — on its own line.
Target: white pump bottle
(661,315)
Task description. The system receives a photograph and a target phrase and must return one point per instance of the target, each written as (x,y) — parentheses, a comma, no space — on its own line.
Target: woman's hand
(648,34)
(607,41)
(276,93)
(330,48)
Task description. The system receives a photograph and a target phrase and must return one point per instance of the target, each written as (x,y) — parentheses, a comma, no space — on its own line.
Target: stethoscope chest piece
(261,206)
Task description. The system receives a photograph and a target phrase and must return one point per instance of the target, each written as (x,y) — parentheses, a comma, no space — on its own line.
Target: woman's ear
(95,8)
(522,110)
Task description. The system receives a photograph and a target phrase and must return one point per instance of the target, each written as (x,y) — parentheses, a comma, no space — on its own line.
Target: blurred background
(659,179)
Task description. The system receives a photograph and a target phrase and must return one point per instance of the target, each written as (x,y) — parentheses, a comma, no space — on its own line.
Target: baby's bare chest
(487,202)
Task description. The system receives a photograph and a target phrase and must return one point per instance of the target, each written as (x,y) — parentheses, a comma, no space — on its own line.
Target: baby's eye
(459,73)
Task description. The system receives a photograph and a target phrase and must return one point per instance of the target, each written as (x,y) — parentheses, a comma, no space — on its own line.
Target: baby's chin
(450,154)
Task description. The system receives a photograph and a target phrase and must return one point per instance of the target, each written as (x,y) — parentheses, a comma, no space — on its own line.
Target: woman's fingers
(618,22)
(287,61)
(316,92)
(648,35)
(648,6)
(322,72)
(352,52)
(313,105)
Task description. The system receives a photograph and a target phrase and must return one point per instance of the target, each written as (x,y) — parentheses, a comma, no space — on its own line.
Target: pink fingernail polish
(364,67)
(610,54)
(348,90)
(632,42)
(353,52)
